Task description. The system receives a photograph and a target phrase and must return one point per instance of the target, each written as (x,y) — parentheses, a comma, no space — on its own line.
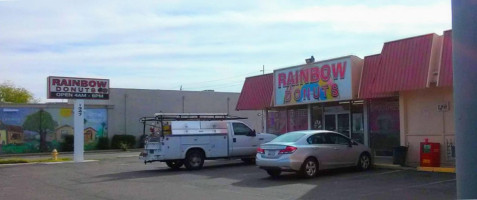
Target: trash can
(399,155)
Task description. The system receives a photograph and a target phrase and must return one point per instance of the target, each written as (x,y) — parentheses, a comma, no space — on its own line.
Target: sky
(199,45)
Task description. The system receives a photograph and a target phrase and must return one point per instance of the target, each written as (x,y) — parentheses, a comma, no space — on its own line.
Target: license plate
(270,153)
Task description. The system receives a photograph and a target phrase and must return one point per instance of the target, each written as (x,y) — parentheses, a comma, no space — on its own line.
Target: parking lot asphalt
(123,176)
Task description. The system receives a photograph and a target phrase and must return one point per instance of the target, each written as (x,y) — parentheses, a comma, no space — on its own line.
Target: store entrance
(338,122)
(343,117)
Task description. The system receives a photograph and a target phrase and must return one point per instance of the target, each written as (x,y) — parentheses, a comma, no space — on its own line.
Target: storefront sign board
(330,80)
(77,88)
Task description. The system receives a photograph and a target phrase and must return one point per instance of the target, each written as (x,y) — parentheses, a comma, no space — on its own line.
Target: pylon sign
(78,89)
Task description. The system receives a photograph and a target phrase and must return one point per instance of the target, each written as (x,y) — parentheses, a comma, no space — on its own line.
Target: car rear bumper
(284,163)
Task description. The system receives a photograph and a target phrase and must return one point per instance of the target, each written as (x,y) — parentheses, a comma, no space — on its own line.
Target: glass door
(338,123)
(343,124)
(330,122)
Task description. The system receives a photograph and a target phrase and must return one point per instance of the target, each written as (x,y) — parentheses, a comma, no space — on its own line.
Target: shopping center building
(400,97)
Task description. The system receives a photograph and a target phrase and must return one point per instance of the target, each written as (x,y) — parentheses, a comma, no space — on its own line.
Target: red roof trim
(256,93)
(404,64)
(445,72)
(371,68)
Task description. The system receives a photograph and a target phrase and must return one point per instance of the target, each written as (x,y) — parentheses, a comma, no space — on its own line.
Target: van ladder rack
(194,116)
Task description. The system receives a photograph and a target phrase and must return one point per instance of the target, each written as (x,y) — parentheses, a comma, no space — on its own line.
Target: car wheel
(194,160)
(249,161)
(274,173)
(364,162)
(175,164)
(309,168)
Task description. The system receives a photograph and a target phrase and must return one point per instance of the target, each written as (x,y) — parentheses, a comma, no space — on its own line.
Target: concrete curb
(68,153)
(391,166)
(437,169)
(45,163)
(423,169)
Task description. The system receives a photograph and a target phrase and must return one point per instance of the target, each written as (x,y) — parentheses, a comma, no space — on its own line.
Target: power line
(215,85)
(225,78)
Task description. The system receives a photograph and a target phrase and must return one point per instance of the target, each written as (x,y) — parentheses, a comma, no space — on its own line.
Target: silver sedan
(307,152)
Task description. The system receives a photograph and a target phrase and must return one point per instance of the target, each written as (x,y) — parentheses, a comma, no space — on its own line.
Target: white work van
(190,138)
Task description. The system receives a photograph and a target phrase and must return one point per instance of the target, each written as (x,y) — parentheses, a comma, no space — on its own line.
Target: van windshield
(289,137)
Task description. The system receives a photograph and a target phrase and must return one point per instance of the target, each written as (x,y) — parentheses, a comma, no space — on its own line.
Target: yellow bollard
(54,154)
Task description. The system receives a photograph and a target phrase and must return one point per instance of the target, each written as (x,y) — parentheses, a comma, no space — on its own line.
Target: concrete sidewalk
(88,155)
(387,163)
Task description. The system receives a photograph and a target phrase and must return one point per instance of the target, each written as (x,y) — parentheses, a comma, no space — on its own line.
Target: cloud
(165,44)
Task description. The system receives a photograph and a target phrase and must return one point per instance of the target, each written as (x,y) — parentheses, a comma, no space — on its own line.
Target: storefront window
(384,126)
(357,131)
(277,121)
(317,117)
(297,119)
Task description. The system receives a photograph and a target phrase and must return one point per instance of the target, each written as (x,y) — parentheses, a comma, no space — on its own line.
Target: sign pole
(79,130)
(464,46)
(78,89)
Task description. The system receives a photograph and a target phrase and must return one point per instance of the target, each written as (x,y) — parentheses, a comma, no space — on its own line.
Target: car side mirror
(252,133)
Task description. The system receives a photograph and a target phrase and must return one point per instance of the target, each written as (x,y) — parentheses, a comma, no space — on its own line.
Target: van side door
(244,142)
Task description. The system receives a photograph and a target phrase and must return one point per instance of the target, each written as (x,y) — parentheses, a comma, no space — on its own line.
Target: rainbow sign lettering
(317,82)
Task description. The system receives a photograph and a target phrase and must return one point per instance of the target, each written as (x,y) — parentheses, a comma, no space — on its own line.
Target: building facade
(22,126)
(400,97)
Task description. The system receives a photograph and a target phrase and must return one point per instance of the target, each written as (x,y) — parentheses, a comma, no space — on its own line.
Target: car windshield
(289,137)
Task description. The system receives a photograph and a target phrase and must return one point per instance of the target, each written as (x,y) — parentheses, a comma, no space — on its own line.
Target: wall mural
(30,130)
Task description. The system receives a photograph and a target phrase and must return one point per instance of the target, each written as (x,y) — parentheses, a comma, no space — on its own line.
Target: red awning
(404,64)
(445,72)
(256,93)
(371,68)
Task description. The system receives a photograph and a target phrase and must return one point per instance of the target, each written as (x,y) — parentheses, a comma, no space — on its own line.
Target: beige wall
(421,119)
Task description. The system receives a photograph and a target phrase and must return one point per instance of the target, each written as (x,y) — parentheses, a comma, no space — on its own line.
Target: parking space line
(376,174)
(432,183)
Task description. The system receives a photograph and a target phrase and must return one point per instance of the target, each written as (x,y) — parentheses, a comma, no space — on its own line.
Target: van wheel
(274,173)
(364,162)
(248,161)
(309,168)
(175,164)
(194,160)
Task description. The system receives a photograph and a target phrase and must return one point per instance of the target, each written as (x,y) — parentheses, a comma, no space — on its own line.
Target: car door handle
(234,140)
(260,139)
(335,148)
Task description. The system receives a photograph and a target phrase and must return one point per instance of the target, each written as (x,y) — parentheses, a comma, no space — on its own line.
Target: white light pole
(79,130)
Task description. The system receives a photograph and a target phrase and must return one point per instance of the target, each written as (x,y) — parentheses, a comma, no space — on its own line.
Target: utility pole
(464,46)
(263,73)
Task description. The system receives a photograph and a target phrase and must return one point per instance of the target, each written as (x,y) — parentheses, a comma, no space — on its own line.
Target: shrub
(68,143)
(103,143)
(128,140)
(123,146)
